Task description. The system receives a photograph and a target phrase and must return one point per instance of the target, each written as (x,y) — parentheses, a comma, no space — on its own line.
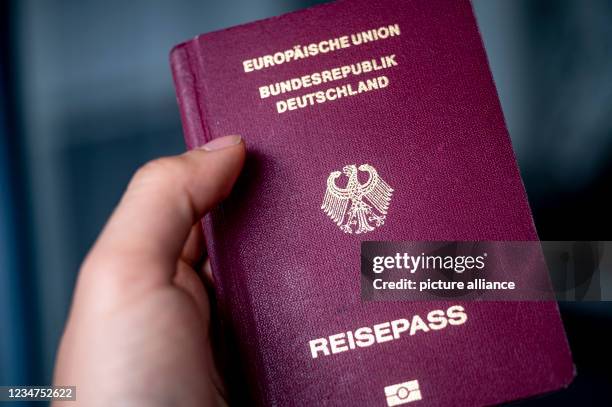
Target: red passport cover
(430,135)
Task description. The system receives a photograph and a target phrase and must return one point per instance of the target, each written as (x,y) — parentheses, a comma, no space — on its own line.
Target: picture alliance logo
(403,393)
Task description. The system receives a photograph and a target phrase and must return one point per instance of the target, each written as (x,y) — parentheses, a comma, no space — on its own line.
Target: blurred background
(86,97)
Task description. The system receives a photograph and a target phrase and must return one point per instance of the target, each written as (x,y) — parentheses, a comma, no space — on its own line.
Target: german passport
(364,120)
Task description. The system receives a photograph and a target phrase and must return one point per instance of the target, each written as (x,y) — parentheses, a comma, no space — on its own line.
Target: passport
(363,120)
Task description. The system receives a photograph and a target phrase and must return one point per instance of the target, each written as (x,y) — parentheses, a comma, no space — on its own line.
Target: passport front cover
(364,120)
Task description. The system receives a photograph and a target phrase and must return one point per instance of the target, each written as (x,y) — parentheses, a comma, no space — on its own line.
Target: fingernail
(221,143)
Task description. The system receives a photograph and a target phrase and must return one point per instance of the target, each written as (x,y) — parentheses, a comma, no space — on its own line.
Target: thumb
(146,233)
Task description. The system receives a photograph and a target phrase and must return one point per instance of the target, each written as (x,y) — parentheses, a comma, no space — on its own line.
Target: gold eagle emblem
(369,201)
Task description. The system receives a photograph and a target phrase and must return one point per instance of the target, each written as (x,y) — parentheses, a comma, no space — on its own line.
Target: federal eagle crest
(367,203)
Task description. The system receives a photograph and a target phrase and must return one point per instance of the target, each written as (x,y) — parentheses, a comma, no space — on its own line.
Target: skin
(138,329)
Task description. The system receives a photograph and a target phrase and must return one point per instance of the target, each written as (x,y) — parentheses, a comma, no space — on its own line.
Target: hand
(138,330)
